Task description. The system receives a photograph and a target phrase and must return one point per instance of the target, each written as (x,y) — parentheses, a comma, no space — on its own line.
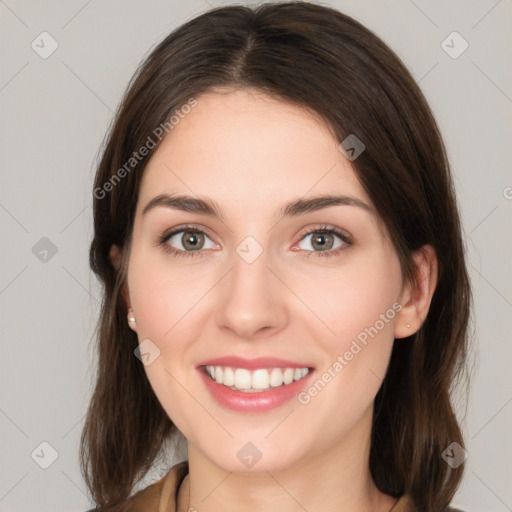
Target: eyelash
(346,239)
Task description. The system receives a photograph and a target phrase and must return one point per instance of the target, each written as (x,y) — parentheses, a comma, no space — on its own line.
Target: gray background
(55,112)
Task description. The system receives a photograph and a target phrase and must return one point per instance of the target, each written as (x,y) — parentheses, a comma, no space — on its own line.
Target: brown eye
(323,240)
(192,240)
(186,242)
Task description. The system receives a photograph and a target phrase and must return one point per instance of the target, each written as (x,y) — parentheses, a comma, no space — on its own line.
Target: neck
(337,480)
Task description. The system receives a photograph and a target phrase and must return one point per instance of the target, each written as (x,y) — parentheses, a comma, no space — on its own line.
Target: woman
(284,277)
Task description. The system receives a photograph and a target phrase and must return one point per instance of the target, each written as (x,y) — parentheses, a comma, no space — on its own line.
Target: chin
(254,454)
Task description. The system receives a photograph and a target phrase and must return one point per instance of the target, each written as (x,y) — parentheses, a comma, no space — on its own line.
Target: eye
(326,241)
(192,241)
(185,241)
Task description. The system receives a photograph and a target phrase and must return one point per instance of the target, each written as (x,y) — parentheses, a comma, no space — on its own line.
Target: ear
(115,257)
(417,295)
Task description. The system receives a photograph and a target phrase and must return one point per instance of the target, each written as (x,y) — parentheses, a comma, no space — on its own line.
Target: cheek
(164,298)
(356,300)
(163,295)
(359,308)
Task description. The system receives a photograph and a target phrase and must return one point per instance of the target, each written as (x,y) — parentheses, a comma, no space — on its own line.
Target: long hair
(319,59)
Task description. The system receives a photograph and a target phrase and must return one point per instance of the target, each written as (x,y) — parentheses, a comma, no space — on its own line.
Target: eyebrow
(294,208)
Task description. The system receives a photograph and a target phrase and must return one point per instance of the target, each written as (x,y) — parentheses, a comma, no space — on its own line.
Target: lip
(257,402)
(253,364)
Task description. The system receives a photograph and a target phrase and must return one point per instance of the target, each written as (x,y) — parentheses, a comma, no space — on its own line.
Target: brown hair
(320,59)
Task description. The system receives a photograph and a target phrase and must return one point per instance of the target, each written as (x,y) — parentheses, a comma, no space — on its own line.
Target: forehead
(248,147)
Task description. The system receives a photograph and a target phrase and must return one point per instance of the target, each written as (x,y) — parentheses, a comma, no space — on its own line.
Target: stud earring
(131,316)
(408,326)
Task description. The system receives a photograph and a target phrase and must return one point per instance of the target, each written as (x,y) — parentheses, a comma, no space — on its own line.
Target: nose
(252,300)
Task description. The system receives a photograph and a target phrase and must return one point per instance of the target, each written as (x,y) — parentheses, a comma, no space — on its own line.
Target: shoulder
(151,497)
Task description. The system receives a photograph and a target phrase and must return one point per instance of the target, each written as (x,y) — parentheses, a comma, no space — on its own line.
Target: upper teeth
(255,380)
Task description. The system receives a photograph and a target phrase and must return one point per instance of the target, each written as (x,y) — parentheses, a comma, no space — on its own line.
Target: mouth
(254,385)
(254,381)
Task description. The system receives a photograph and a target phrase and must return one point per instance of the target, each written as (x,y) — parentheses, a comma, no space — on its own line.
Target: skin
(251,154)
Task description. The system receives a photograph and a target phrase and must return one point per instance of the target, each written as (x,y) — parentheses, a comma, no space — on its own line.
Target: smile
(254,381)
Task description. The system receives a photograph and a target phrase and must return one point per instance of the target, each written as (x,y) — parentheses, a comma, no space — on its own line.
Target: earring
(408,326)
(131,316)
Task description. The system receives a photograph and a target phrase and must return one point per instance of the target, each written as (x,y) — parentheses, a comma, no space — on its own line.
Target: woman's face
(297,300)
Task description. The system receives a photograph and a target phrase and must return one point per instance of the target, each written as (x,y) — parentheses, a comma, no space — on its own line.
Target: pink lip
(253,364)
(257,402)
